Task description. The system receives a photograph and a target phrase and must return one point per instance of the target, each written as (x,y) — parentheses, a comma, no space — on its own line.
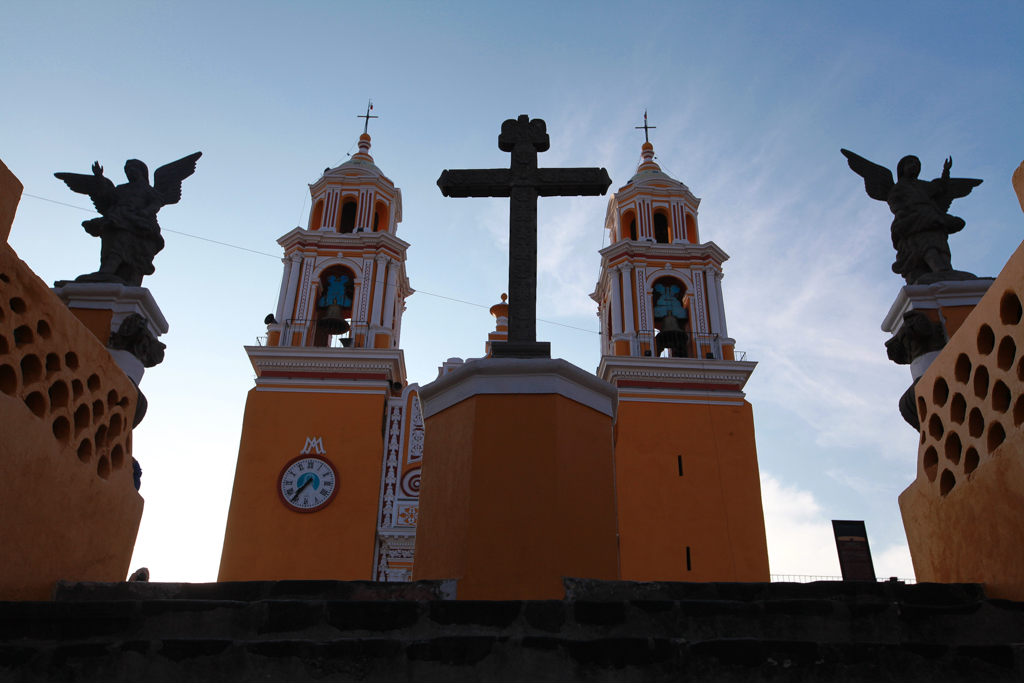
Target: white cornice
(648,369)
(949,293)
(298,237)
(332,360)
(655,252)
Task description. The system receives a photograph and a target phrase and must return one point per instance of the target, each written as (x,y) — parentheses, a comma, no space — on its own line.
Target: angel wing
(99,188)
(877,179)
(955,189)
(167,179)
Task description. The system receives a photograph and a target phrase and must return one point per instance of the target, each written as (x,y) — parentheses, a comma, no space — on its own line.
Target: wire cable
(277,257)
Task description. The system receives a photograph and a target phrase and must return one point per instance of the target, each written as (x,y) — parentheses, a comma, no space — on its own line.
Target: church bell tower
(687,485)
(327,480)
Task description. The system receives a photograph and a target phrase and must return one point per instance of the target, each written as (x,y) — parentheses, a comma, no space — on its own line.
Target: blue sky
(751,102)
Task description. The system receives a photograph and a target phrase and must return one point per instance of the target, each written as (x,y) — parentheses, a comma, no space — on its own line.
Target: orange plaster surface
(955,317)
(97,320)
(68,507)
(964,514)
(714,508)
(517,491)
(264,540)
(10,195)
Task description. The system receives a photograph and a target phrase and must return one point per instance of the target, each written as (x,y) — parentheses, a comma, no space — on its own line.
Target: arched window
(627,227)
(348,217)
(671,317)
(380,217)
(316,216)
(333,311)
(661,228)
(691,228)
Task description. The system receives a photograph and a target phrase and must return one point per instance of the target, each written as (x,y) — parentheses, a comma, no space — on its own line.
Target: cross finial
(645,127)
(367,116)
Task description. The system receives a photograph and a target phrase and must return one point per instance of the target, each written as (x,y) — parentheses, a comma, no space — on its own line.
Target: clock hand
(301,489)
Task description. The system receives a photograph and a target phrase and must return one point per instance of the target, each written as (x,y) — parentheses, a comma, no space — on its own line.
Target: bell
(333,321)
(672,336)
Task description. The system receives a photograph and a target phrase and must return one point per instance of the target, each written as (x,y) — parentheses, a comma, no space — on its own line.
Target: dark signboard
(854,552)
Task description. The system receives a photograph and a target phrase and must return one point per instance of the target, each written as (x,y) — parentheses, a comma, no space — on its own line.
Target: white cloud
(800,539)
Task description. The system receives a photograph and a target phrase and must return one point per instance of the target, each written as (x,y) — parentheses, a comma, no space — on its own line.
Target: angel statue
(127,224)
(922,226)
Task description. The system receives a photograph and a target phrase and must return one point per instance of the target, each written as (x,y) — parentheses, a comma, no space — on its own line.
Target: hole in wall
(971,460)
(81,419)
(128,443)
(31,369)
(17,305)
(115,427)
(1000,396)
(1018,412)
(930,462)
(76,389)
(111,398)
(1007,352)
(71,360)
(58,395)
(43,328)
(953,448)
(3,276)
(4,348)
(8,380)
(36,403)
(103,467)
(94,382)
(85,450)
(101,437)
(22,336)
(117,457)
(996,436)
(986,340)
(97,410)
(947,482)
(940,392)
(922,409)
(52,365)
(1009,308)
(962,370)
(975,423)
(935,428)
(958,409)
(62,429)
(981,382)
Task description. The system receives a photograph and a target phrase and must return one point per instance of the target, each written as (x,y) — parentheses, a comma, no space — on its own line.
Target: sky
(752,102)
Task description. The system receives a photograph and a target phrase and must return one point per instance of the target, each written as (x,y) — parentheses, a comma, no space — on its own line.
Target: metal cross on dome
(367,116)
(523,182)
(645,127)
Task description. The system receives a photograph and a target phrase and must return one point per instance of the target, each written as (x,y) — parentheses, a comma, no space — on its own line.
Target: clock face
(307,483)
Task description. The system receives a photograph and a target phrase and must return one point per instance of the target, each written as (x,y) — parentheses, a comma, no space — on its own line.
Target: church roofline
(297,237)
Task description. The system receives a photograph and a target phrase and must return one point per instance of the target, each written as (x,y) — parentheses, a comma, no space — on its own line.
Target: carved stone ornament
(917,336)
(134,337)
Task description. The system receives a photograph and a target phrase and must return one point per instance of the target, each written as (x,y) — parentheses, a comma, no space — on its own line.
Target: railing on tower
(322,333)
(708,346)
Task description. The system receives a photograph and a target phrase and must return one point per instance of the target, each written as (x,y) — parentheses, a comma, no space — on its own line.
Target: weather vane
(645,127)
(369,108)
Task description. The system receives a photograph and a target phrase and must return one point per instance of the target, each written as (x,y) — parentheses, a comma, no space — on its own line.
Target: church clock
(306,484)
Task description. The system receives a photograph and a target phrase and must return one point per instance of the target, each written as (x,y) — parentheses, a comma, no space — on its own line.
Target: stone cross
(523,183)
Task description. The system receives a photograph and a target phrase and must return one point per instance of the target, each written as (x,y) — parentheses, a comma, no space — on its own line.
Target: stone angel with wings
(127,224)
(922,226)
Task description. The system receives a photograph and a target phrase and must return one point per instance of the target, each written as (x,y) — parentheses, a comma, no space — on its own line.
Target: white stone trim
(651,369)
(326,359)
(938,294)
(627,299)
(121,300)
(518,376)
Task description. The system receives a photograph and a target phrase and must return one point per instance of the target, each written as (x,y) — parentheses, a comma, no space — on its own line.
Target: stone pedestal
(103,306)
(944,303)
(518,485)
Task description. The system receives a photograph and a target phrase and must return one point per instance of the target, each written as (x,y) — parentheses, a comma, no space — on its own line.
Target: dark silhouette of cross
(645,127)
(369,107)
(523,182)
